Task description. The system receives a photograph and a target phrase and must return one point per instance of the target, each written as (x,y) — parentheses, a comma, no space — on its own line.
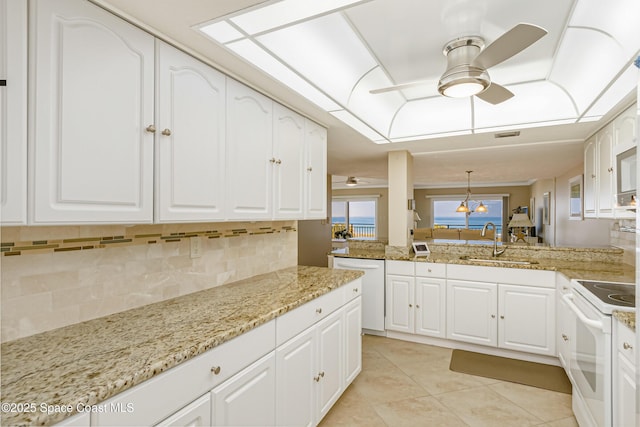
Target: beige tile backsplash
(43,289)
(624,239)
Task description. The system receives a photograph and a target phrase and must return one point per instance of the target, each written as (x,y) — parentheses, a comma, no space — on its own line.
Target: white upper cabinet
(13,112)
(288,152)
(190,138)
(315,171)
(92,77)
(625,128)
(590,178)
(249,153)
(604,174)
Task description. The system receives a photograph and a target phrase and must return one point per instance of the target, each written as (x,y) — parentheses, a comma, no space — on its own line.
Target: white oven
(591,348)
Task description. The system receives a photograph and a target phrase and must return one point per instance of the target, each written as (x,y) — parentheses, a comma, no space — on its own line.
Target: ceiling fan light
(463,89)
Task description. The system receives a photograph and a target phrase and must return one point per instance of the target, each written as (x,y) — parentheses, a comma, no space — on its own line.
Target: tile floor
(409,384)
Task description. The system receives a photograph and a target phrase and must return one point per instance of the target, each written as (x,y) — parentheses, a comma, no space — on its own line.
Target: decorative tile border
(87,243)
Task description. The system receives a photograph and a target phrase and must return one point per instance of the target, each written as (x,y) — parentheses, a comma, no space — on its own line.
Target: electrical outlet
(196,247)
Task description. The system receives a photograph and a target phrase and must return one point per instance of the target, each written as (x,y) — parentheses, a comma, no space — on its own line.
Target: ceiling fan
(352,181)
(468,60)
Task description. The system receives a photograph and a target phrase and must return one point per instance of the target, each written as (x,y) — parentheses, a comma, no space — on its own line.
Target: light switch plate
(196,247)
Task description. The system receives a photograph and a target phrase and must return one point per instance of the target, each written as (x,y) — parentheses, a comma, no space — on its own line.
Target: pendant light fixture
(464,205)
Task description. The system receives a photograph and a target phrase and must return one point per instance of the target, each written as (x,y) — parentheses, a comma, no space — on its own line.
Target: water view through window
(445,215)
(356,217)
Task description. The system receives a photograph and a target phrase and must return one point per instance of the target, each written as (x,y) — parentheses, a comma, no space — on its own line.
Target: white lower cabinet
(471,312)
(248,398)
(195,414)
(566,324)
(289,371)
(526,319)
(353,340)
(510,308)
(310,373)
(624,376)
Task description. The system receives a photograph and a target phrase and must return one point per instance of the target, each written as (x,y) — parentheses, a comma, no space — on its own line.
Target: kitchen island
(89,362)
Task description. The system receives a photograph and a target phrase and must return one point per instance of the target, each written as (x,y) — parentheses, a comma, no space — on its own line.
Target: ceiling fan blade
(402,86)
(509,44)
(495,94)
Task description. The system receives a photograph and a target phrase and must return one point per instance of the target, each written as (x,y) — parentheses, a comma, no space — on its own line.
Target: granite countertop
(627,318)
(573,263)
(91,361)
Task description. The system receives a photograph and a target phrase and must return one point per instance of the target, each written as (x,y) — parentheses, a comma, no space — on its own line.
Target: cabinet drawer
(161,396)
(405,268)
(512,276)
(625,342)
(352,290)
(430,269)
(292,323)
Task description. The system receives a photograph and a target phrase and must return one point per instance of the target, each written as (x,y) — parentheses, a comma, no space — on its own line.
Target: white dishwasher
(372,290)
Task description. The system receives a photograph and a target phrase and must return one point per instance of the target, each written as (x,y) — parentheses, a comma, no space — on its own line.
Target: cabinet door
(330,375)
(247,398)
(565,334)
(430,307)
(527,319)
(400,299)
(316,171)
(624,389)
(625,127)
(471,312)
(353,340)
(196,414)
(296,368)
(92,157)
(590,178)
(250,160)
(13,112)
(604,172)
(190,138)
(288,150)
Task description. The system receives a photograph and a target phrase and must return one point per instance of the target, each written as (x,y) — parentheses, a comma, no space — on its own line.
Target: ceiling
(579,74)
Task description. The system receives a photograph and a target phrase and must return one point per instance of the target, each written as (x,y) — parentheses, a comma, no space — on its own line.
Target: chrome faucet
(496,252)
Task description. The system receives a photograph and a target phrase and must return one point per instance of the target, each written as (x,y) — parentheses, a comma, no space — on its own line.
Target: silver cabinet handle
(278,161)
(151,129)
(166,132)
(215,370)
(627,346)
(417,306)
(565,337)
(309,169)
(319,310)
(410,305)
(493,316)
(317,379)
(272,160)
(502,317)
(355,289)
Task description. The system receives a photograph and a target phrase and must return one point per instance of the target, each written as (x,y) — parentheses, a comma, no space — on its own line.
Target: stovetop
(609,295)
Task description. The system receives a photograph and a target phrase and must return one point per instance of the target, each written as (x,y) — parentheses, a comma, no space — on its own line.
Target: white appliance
(372,290)
(591,349)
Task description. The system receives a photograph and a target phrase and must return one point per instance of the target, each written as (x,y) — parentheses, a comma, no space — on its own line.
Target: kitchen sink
(498,261)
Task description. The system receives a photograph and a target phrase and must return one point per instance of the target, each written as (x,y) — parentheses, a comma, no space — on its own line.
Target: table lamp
(518,222)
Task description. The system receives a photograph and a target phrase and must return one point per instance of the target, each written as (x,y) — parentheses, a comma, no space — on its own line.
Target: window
(445,215)
(357,216)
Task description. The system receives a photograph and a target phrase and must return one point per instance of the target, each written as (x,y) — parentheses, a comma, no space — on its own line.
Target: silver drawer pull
(565,337)
(215,370)
(355,289)
(166,132)
(319,310)
(626,346)
(316,379)
(150,129)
